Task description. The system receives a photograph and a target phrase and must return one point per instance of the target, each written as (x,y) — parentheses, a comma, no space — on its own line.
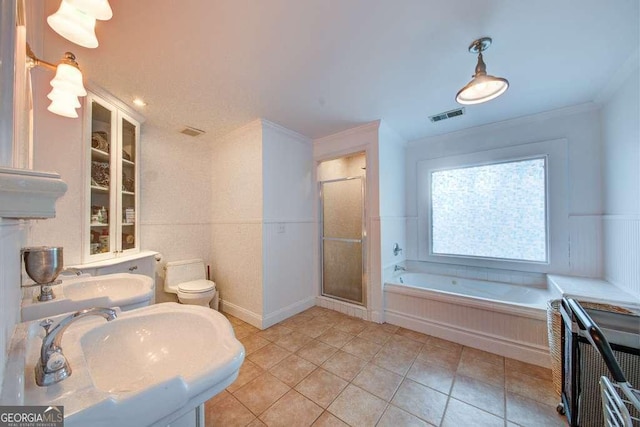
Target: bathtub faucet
(398,268)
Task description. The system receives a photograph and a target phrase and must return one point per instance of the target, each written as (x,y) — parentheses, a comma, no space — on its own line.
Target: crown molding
(374,125)
(286,131)
(619,77)
(27,194)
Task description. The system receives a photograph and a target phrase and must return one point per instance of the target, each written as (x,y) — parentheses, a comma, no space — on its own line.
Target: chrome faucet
(52,367)
(398,268)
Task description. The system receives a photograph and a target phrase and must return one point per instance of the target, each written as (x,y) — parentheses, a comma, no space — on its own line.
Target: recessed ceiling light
(139,102)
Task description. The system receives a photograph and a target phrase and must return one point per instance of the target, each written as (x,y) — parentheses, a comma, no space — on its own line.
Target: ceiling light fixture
(75,20)
(67,83)
(139,102)
(482,87)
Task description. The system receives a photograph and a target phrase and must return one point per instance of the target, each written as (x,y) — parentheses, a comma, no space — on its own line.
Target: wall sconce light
(75,20)
(482,87)
(67,83)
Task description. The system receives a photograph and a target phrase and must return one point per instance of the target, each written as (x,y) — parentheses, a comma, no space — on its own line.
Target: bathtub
(498,317)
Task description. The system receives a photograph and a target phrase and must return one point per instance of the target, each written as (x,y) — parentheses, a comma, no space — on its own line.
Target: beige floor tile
(396,417)
(460,414)
(293,409)
(313,328)
(335,337)
(227,412)
(421,401)
(376,334)
(294,321)
(362,348)
(388,327)
(317,311)
(479,394)
(416,336)
(244,330)
(473,353)
(529,413)
(329,319)
(351,325)
(439,342)
(293,341)
(256,423)
(402,344)
(393,361)
(357,407)
(268,356)
(483,371)
(532,387)
(248,371)
(322,387)
(316,352)
(329,420)
(234,320)
(442,356)
(262,392)
(252,343)
(273,333)
(292,370)
(344,365)
(512,365)
(378,381)
(432,375)
(217,398)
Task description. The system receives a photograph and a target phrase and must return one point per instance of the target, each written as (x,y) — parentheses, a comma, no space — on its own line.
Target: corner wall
(236,222)
(621,182)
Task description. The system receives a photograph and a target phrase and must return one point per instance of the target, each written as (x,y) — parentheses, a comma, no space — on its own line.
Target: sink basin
(124,290)
(149,366)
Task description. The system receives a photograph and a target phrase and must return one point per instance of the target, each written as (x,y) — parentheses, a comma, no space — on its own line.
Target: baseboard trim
(516,350)
(241,313)
(288,311)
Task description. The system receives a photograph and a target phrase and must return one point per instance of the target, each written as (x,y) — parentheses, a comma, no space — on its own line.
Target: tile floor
(323,368)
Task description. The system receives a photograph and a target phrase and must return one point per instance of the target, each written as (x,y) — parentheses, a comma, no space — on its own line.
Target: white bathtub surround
(506,319)
(594,290)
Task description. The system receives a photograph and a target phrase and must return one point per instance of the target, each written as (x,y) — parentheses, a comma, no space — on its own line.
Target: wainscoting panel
(622,252)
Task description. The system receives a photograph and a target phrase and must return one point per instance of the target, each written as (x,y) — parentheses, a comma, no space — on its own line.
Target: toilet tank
(183,271)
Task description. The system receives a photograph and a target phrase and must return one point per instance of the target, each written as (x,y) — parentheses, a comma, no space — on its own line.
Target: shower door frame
(362,240)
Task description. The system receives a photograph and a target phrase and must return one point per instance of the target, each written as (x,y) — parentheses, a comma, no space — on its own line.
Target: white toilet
(188,280)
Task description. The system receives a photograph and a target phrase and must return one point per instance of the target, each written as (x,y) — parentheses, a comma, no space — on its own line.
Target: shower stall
(342,229)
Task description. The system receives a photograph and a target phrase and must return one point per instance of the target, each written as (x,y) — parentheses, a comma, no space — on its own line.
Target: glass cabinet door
(102,155)
(128,179)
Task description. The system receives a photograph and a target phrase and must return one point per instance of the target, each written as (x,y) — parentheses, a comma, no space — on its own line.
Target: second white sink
(124,290)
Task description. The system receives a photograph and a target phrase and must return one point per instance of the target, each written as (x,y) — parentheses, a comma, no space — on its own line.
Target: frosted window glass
(490,211)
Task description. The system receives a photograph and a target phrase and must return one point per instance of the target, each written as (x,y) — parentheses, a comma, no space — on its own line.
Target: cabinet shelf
(128,193)
(128,224)
(99,189)
(126,162)
(95,224)
(99,155)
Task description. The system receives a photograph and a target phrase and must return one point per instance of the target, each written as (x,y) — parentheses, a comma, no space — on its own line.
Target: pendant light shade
(482,87)
(74,25)
(63,109)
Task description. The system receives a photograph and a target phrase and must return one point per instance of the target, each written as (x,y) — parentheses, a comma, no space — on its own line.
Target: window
(495,210)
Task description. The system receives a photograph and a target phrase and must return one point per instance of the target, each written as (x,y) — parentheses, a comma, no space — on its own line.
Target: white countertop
(593,290)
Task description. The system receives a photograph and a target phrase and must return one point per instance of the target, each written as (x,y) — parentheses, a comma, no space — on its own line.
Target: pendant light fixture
(75,20)
(482,87)
(66,86)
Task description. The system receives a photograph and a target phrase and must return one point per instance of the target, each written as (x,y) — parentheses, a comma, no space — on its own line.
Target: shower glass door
(342,204)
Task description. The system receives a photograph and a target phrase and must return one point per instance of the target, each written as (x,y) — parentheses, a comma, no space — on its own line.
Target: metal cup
(43,263)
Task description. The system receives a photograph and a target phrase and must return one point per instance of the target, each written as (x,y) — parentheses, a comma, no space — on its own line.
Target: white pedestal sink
(124,290)
(149,366)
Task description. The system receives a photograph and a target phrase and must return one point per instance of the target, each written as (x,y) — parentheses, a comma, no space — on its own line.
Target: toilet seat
(197,286)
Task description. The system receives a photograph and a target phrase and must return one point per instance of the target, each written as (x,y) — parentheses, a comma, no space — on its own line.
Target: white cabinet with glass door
(112,144)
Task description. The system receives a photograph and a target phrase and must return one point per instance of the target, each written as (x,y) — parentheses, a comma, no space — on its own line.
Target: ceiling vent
(447,115)
(191,131)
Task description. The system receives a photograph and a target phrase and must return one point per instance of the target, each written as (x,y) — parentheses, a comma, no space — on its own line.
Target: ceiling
(322,66)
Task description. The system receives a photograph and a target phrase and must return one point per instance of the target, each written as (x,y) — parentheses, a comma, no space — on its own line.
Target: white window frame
(557,200)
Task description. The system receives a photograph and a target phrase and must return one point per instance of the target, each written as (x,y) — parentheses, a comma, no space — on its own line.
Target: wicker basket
(554,329)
